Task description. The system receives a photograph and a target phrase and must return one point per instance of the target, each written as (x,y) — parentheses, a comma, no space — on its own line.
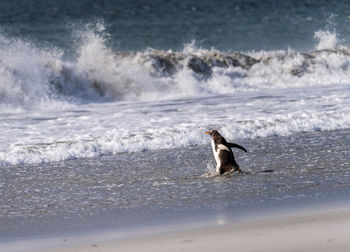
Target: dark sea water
(104,105)
(137,25)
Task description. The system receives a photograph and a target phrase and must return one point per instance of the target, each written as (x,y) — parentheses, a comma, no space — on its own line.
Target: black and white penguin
(223,154)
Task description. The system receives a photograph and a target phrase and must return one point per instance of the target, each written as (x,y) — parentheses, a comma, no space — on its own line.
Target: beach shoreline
(304,228)
(318,231)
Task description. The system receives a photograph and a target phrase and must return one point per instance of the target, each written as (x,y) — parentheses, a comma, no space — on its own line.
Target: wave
(90,141)
(57,105)
(31,75)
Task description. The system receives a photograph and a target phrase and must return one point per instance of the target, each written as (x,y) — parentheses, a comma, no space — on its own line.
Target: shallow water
(126,189)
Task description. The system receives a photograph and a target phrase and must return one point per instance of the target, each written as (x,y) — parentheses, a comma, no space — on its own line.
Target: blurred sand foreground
(328,231)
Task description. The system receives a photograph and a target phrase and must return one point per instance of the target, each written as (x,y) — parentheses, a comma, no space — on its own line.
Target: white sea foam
(30,75)
(102,102)
(327,40)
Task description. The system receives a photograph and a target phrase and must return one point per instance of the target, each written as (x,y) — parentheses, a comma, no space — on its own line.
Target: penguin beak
(207,132)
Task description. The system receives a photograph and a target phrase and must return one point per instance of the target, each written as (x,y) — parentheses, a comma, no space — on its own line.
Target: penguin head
(213,133)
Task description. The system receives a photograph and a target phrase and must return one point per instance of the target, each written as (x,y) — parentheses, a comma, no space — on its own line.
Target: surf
(33,76)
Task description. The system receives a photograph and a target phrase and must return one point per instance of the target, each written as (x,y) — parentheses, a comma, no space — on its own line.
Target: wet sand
(321,231)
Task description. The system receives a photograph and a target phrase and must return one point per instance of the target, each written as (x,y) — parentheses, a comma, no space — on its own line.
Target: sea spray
(30,74)
(327,40)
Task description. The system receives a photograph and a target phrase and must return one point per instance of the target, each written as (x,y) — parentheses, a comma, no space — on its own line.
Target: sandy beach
(322,231)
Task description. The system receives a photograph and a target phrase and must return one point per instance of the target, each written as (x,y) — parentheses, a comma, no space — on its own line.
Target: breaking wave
(31,75)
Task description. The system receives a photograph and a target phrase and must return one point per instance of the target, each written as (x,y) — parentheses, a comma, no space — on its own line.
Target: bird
(225,161)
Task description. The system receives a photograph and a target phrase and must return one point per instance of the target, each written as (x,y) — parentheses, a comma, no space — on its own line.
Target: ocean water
(98,88)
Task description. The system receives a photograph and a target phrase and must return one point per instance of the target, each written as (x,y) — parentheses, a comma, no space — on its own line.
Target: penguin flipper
(233,145)
(223,147)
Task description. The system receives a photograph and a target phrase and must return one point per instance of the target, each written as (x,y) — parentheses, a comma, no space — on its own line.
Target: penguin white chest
(216,152)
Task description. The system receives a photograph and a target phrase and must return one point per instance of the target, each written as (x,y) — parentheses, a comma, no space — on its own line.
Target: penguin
(223,154)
